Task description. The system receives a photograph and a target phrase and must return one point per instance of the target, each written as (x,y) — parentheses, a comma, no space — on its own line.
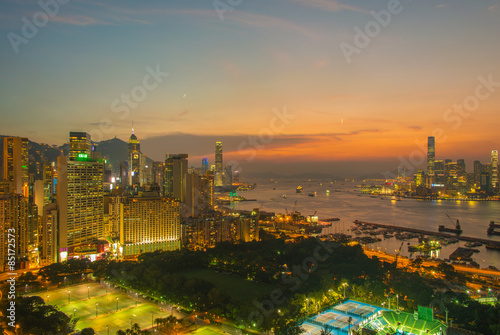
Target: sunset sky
(230,73)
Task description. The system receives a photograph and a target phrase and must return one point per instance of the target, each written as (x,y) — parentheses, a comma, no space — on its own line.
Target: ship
(493,246)
(284,196)
(494,225)
(492,231)
(456,230)
(299,189)
(312,194)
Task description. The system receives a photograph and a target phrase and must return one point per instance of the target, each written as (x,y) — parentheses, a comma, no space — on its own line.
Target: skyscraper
(204,165)
(15,163)
(494,169)
(176,167)
(135,160)
(79,143)
(431,155)
(219,167)
(16,213)
(218,157)
(80,201)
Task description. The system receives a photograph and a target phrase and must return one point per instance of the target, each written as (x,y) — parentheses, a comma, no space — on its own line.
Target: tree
(87,331)
(325,330)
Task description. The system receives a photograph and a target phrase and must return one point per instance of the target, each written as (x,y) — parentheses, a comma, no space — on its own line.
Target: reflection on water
(344,202)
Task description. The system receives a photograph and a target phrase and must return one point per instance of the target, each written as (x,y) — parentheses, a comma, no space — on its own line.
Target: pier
(429,232)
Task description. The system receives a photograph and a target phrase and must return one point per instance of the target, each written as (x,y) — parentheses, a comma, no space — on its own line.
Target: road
(403,261)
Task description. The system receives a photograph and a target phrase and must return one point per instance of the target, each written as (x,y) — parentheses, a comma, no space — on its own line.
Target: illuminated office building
(494,169)
(48,235)
(80,201)
(79,143)
(148,224)
(135,160)
(16,213)
(204,165)
(15,163)
(431,155)
(219,167)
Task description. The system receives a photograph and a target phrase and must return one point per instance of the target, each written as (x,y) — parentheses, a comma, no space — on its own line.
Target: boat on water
(473,244)
(494,225)
(493,246)
(457,230)
(492,231)
(299,189)
(331,219)
(327,192)
(284,196)
(312,194)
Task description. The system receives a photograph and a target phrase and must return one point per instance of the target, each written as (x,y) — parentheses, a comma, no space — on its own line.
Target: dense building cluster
(451,178)
(78,205)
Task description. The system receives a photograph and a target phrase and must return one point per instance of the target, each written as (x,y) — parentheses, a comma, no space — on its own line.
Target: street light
(47,299)
(130,323)
(344,284)
(117,304)
(307,301)
(136,298)
(96,304)
(397,301)
(69,296)
(88,292)
(74,312)
(107,328)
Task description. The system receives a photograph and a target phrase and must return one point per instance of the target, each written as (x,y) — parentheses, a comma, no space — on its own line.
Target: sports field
(101,309)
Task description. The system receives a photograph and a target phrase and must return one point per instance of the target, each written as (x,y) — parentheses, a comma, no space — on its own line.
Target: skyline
(227,78)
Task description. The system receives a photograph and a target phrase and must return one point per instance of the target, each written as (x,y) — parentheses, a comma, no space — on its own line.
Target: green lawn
(108,315)
(236,287)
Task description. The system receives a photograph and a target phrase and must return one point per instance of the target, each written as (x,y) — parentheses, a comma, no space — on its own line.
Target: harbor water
(345,201)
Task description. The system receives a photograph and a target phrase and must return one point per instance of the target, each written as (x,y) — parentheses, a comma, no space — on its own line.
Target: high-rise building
(218,157)
(478,169)
(431,155)
(236,177)
(15,163)
(439,172)
(79,143)
(48,235)
(80,201)
(16,222)
(419,178)
(176,167)
(135,160)
(204,165)
(219,167)
(148,224)
(228,175)
(494,170)
(461,167)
